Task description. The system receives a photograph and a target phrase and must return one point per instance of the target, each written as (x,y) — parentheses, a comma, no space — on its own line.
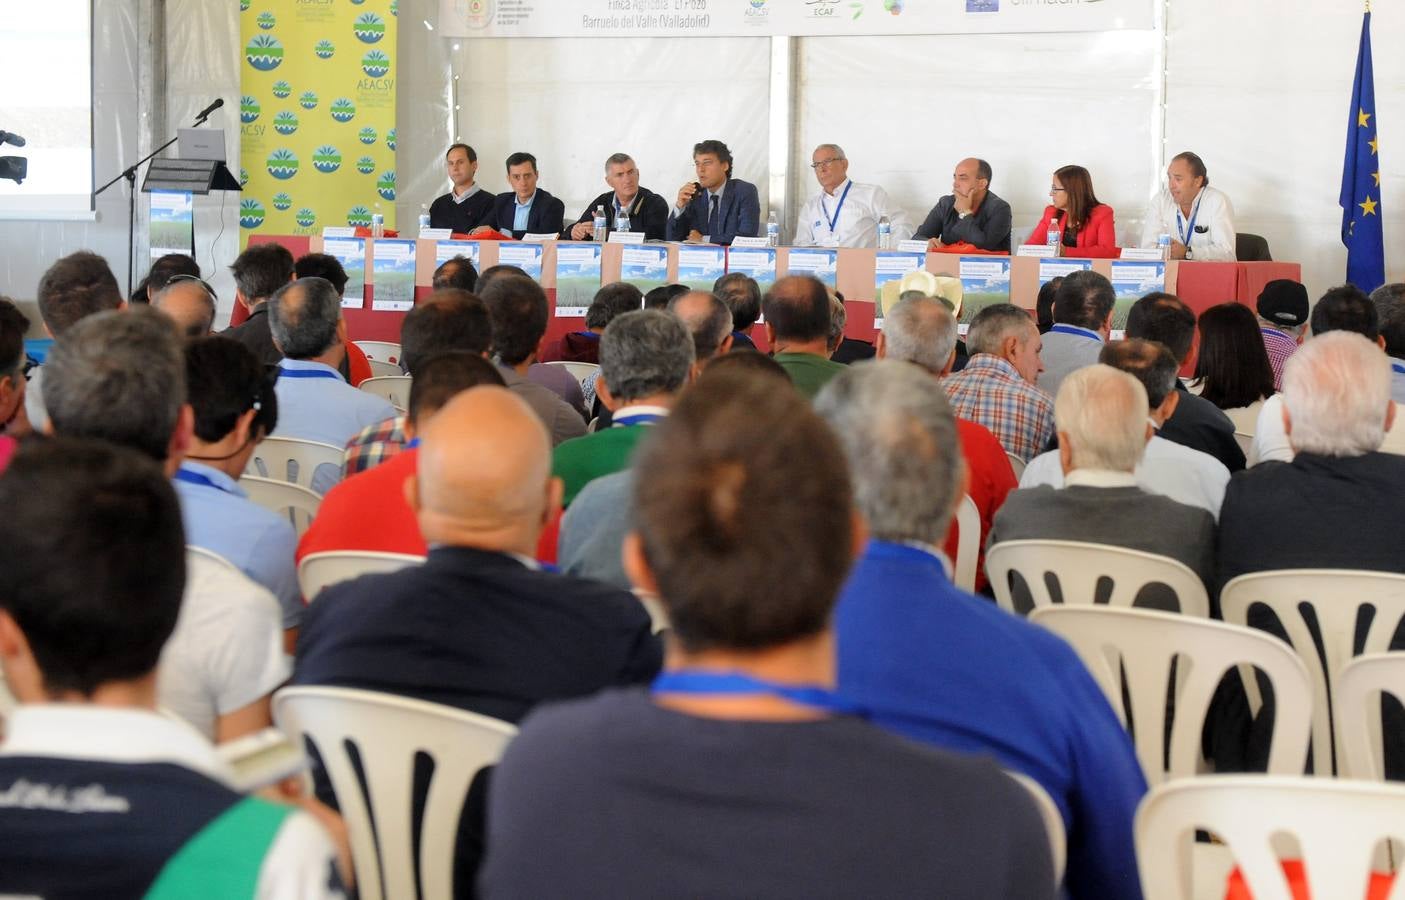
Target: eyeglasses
(198,280)
(826,162)
(1058,190)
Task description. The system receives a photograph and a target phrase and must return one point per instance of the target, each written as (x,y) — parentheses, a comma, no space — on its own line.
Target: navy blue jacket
(738,214)
(544,217)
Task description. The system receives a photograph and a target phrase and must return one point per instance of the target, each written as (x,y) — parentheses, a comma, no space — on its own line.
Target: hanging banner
(782,18)
(172,228)
(317,115)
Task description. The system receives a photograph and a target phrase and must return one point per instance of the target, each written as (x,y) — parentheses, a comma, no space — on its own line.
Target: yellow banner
(317,115)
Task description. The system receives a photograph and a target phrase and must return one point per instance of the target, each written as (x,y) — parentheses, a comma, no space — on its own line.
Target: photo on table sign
(890,266)
(822,264)
(447,250)
(351,253)
(700,267)
(577,277)
(645,267)
(1130,282)
(527,257)
(172,223)
(758,263)
(985,280)
(393,267)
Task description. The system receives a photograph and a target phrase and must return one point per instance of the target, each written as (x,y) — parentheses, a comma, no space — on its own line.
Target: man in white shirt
(1166,468)
(845,213)
(1199,218)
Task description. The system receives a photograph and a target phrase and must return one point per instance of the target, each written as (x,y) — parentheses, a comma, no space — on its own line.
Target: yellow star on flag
(1362,118)
(1369,207)
(1377,176)
(1374,143)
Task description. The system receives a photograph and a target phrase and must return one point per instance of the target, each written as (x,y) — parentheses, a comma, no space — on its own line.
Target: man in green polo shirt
(797,325)
(645,359)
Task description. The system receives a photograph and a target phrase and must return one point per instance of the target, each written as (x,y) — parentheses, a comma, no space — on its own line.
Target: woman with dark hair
(1232,370)
(1085,225)
(1044,305)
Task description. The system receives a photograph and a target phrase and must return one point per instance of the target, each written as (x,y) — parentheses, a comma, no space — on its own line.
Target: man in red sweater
(922,331)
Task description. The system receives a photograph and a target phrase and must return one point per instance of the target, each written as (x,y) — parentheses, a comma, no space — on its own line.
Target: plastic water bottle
(424,217)
(377,225)
(599,224)
(1051,237)
(622,219)
(773,230)
(1163,243)
(885,234)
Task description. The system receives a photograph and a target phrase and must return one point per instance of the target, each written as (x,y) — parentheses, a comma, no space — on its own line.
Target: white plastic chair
(1337,825)
(382,369)
(387,733)
(296,502)
(1078,567)
(1053,822)
(1139,647)
(381,351)
(578,370)
(1335,597)
(320,570)
(968,544)
(292,459)
(1017,464)
(395,388)
(1358,711)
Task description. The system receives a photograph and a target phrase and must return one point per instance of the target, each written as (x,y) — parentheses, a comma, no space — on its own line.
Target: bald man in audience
(708,320)
(480,626)
(190,304)
(914,649)
(1102,426)
(1167,468)
(921,330)
(798,328)
(997,386)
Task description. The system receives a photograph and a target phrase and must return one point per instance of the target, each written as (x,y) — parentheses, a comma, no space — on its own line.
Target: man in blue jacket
(526,209)
(934,663)
(717,207)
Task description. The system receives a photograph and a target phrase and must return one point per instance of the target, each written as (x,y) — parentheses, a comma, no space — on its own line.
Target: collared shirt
(935,553)
(374,445)
(316,404)
(1066,349)
(1279,347)
(855,222)
(460,198)
(219,517)
(1167,468)
(520,211)
(1100,478)
(645,414)
(1210,209)
(1271,438)
(990,391)
(1397,380)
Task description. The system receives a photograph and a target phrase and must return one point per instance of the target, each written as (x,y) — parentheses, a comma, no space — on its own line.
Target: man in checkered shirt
(997,387)
(1282,307)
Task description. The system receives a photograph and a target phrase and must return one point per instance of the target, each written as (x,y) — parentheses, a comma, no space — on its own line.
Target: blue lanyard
(1189,234)
(640,419)
(698,681)
(307,373)
(1397,367)
(1062,328)
(834,220)
(190,477)
(412,444)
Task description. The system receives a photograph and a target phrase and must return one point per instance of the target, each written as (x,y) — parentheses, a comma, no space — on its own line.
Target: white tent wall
(1258,88)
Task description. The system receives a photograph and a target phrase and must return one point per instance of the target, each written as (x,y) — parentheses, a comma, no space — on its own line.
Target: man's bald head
(707,319)
(484,473)
(190,304)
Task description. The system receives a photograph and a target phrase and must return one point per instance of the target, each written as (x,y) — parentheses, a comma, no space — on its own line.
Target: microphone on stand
(205,113)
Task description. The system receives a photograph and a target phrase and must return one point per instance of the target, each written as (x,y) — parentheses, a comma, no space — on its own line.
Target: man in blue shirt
(235,407)
(929,661)
(315,403)
(526,209)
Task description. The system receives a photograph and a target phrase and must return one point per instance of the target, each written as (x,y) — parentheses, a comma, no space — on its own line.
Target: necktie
(712,225)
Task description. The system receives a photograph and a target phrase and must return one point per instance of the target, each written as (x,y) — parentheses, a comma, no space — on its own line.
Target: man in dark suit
(526,209)
(717,207)
(647,211)
(1197,423)
(258,273)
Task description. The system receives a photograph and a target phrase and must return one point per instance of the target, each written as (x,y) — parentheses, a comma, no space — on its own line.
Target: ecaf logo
(820,8)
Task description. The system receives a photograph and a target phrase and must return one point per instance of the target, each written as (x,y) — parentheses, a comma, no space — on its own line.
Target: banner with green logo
(317,114)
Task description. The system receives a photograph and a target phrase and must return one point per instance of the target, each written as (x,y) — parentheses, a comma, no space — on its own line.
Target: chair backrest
(387,734)
(1017,463)
(320,570)
(968,544)
(1251,247)
(1358,711)
(381,351)
(1333,599)
(1053,822)
(292,459)
(1245,442)
(382,369)
(1137,649)
(1337,824)
(395,388)
(1078,568)
(296,502)
(578,370)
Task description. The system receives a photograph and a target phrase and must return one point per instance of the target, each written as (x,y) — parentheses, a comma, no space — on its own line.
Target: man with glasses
(970,214)
(646,211)
(845,213)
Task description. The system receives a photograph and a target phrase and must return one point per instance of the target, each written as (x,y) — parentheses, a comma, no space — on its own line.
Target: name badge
(338,231)
(912,246)
(436,234)
(539,238)
(1045,250)
(754,242)
(1144,254)
(626,237)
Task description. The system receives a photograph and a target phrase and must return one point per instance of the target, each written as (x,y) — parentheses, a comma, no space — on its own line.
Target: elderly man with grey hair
(646,357)
(314,402)
(645,210)
(846,213)
(708,320)
(997,387)
(921,330)
(190,303)
(1101,414)
(900,437)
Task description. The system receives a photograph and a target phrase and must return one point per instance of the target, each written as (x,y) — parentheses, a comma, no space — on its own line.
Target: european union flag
(1361,177)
